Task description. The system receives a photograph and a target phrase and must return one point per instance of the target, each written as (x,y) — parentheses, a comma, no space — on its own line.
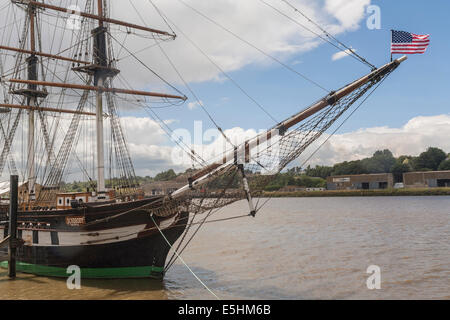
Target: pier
(11,240)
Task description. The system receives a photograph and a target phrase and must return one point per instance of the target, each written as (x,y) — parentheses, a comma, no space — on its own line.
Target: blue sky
(407,114)
(417,88)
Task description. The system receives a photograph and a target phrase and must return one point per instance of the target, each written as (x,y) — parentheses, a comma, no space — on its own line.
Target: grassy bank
(363,193)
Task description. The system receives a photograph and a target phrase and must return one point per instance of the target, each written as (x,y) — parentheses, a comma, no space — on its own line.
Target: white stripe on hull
(45,238)
(88,238)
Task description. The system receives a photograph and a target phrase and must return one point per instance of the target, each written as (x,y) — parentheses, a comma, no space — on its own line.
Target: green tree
(319,171)
(382,161)
(429,160)
(445,165)
(310,182)
(166,175)
(398,169)
(349,167)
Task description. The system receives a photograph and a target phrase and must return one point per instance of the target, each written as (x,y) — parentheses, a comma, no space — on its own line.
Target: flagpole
(391,44)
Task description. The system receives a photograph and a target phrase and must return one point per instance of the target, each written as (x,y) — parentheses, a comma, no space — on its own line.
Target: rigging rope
(197,99)
(144,65)
(203,221)
(159,12)
(255,47)
(199,102)
(182,260)
(343,122)
(334,132)
(220,69)
(174,89)
(350,51)
(167,129)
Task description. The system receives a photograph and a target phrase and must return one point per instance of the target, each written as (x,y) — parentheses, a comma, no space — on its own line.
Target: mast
(99,68)
(32,75)
(100,57)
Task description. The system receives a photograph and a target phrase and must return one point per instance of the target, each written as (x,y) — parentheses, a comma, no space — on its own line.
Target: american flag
(409,43)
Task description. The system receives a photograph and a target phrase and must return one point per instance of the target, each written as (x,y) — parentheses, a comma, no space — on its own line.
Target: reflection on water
(296,248)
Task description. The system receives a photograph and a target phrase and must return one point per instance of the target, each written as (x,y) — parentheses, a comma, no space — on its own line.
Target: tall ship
(112,229)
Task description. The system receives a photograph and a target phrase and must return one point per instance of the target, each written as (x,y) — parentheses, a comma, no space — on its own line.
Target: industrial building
(426,179)
(159,188)
(361,181)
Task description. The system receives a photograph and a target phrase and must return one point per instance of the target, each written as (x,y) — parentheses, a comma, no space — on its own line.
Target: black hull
(142,256)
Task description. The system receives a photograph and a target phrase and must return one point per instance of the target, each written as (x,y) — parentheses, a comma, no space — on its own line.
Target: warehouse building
(361,181)
(427,179)
(162,187)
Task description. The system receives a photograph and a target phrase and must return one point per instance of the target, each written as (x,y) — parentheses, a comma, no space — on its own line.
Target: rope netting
(261,165)
(282,150)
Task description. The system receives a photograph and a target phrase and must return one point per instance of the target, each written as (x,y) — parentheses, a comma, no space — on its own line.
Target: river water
(295,248)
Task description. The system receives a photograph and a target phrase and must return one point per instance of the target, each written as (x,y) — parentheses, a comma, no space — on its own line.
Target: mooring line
(181,259)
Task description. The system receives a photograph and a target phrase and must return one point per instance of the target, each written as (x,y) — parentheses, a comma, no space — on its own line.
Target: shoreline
(362,193)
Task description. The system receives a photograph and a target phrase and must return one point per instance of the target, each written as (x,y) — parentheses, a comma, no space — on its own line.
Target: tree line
(382,161)
(82,186)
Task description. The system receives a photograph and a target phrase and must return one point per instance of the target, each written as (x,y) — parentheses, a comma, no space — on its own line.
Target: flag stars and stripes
(409,43)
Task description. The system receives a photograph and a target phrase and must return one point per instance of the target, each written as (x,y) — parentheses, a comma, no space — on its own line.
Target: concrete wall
(161,187)
(424,179)
(355,182)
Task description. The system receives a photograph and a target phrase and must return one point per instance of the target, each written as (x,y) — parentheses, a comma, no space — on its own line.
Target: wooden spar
(43,54)
(338,95)
(32,37)
(100,12)
(96,88)
(99,18)
(210,171)
(17,106)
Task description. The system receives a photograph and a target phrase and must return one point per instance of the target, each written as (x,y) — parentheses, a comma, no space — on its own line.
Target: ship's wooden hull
(126,246)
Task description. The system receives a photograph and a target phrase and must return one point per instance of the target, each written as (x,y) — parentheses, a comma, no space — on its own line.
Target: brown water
(296,248)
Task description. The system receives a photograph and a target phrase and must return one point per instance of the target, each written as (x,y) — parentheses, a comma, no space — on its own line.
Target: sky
(408,113)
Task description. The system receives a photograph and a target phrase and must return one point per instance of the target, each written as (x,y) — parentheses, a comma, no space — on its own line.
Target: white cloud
(194,105)
(341,54)
(414,137)
(347,12)
(250,19)
(152,151)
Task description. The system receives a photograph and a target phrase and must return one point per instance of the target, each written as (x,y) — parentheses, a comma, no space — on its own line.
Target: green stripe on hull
(92,273)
